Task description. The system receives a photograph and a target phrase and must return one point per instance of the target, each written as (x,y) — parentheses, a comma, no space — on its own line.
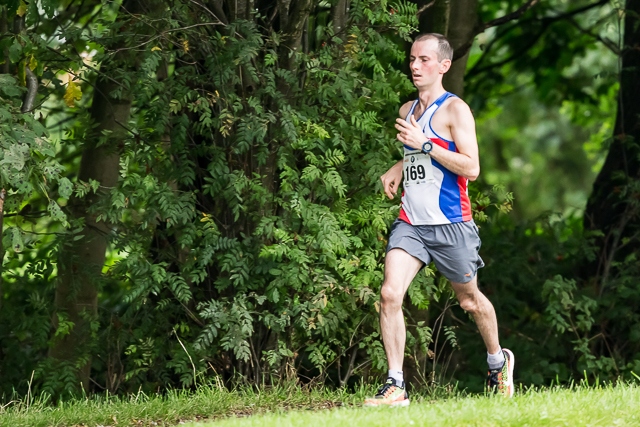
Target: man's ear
(445,64)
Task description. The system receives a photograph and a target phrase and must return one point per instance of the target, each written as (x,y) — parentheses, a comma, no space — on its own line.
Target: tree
(613,211)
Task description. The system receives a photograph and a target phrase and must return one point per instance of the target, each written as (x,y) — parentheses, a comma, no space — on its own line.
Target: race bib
(417,169)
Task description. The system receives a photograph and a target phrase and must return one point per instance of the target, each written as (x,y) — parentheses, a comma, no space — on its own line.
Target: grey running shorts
(452,247)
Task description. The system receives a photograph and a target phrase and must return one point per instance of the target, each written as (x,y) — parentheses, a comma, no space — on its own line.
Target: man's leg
(500,376)
(474,302)
(399,270)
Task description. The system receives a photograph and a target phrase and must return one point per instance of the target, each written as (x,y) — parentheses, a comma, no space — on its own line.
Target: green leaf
(44,147)
(24,187)
(49,7)
(94,184)
(5,115)
(16,240)
(11,89)
(56,213)
(65,188)
(15,156)
(15,51)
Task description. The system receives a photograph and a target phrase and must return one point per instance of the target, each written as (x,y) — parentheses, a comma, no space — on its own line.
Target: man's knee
(468,303)
(391,294)
(469,296)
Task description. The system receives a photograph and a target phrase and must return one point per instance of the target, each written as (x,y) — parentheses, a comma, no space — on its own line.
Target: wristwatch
(427,146)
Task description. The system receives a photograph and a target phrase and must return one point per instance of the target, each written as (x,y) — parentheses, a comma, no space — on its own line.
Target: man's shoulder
(404,110)
(456,111)
(455,105)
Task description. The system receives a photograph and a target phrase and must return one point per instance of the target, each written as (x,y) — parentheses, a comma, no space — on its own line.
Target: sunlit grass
(292,406)
(611,406)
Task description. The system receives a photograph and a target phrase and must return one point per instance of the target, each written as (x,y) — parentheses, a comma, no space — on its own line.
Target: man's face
(424,64)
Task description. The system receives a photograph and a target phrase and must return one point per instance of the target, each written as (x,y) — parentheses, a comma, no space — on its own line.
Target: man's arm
(392,178)
(465,162)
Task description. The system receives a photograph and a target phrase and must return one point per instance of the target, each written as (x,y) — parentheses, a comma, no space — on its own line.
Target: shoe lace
(494,379)
(386,390)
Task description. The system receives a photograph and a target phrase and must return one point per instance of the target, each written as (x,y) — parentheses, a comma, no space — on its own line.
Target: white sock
(496,360)
(396,375)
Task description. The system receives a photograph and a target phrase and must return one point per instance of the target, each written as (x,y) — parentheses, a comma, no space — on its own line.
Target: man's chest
(434,124)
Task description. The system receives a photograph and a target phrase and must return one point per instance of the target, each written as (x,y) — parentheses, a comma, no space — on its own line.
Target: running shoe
(500,381)
(390,394)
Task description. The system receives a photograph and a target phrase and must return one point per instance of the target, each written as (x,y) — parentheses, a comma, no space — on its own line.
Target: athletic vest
(432,194)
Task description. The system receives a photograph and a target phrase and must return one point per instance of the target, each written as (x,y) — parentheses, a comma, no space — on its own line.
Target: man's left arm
(465,161)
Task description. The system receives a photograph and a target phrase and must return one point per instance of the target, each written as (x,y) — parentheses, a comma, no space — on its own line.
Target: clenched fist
(391,180)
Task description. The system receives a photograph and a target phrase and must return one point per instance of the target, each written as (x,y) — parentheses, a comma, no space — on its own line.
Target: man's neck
(428,96)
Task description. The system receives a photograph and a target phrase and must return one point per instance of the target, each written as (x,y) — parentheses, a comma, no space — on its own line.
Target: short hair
(445,51)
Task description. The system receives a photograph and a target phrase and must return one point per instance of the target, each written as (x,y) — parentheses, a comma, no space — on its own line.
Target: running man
(435,222)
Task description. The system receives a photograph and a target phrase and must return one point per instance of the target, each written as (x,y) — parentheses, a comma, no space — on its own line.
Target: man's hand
(410,133)
(391,180)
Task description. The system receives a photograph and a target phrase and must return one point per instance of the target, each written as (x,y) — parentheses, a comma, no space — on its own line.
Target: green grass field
(281,407)
(583,407)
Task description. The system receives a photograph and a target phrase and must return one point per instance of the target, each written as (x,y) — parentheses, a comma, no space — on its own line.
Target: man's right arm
(392,178)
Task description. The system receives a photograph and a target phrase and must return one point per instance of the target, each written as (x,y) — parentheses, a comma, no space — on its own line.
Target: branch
(95,70)
(425,7)
(297,18)
(510,17)
(462,50)
(163,33)
(221,17)
(546,23)
(605,41)
(476,70)
(32,90)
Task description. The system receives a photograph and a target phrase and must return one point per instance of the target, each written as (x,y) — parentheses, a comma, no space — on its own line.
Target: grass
(175,407)
(291,406)
(582,406)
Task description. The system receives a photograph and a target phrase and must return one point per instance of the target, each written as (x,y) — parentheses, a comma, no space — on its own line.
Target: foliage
(261,253)
(28,160)
(543,128)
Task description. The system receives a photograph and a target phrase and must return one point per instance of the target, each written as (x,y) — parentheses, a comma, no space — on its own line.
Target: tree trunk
(294,16)
(80,262)
(4,29)
(462,21)
(435,18)
(339,16)
(3,194)
(456,20)
(612,207)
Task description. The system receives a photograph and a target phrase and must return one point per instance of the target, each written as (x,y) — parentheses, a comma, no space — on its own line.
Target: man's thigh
(399,269)
(466,290)
(455,250)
